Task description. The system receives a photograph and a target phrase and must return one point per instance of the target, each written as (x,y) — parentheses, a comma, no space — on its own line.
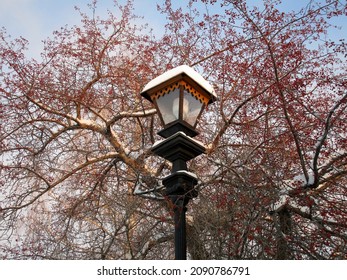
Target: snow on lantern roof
(183,69)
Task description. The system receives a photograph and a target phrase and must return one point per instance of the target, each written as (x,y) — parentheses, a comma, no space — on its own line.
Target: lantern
(180,95)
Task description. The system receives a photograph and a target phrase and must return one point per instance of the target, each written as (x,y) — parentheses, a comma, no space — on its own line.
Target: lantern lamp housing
(179,95)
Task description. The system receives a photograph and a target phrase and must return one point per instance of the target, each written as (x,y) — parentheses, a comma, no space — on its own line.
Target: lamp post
(179,95)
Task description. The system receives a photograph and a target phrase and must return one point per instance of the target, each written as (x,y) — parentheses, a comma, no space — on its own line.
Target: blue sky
(35,20)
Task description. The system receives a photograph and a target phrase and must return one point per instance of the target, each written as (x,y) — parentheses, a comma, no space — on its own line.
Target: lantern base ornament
(181,184)
(178,148)
(178,126)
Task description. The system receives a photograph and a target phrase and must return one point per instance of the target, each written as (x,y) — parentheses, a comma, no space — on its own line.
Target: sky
(35,20)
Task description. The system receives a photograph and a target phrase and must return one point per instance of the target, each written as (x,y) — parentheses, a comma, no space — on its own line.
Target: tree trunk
(284,229)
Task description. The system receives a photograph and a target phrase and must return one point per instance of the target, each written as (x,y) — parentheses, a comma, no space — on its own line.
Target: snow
(188,173)
(177,71)
(285,200)
(301,208)
(282,201)
(302,179)
(197,142)
(157,143)
(85,122)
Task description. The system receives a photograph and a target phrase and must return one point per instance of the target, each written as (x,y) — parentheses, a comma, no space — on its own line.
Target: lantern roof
(172,74)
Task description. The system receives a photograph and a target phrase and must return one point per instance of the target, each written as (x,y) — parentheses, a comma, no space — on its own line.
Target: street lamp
(179,95)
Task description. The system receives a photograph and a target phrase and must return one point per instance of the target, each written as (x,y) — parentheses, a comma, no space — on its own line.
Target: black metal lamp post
(180,95)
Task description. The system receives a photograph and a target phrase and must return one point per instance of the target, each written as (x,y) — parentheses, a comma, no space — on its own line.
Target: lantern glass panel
(191,108)
(168,105)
